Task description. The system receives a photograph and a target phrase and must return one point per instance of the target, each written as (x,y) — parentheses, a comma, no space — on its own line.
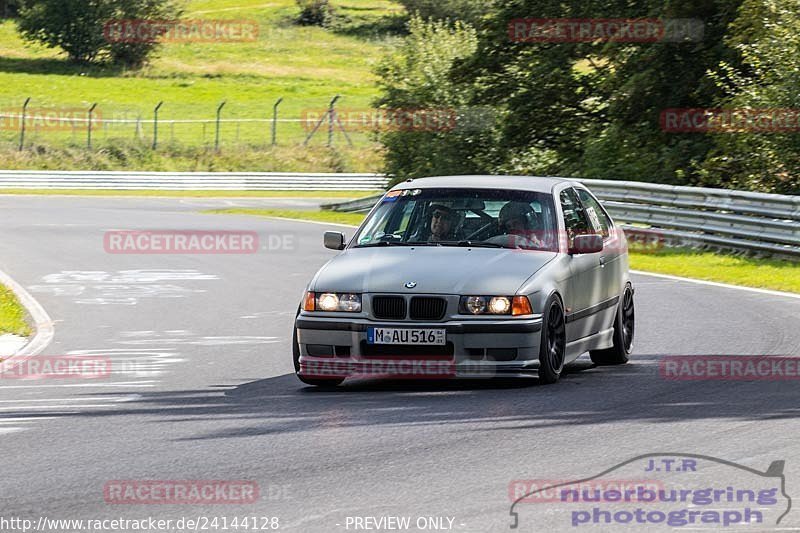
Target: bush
(417,80)
(9,8)
(314,12)
(78,27)
(463,10)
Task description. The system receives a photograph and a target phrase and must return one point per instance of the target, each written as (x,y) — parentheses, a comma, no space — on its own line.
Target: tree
(469,11)
(79,27)
(314,12)
(767,34)
(417,85)
(9,8)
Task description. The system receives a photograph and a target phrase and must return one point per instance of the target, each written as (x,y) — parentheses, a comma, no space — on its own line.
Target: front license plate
(430,337)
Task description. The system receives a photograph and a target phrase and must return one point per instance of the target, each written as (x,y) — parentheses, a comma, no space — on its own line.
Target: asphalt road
(202,388)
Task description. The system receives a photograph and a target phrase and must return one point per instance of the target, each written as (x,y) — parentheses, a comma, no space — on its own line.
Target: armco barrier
(189,181)
(720,218)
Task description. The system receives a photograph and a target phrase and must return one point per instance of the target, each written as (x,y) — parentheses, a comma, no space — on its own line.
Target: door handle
(602,261)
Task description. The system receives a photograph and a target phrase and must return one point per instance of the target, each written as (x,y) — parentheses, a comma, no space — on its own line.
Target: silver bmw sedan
(469,276)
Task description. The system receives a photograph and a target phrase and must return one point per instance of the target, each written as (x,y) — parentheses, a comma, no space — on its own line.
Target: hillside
(306,66)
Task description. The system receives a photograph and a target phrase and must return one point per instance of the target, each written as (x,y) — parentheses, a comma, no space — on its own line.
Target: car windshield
(491,218)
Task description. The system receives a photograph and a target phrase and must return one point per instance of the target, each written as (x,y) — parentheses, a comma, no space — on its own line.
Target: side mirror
(334,240)
(586,244)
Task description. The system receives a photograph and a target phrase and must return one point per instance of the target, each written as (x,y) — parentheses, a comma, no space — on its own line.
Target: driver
(441,223)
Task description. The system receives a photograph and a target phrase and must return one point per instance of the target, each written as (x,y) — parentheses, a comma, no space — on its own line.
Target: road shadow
(586,395)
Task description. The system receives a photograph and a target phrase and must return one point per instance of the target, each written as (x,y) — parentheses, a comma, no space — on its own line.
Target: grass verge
(684,262)
(709,266)
(333,217)
(12,315)
(193,194)
(131,155)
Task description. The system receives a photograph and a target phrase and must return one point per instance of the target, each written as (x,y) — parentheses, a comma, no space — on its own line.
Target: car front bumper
(337,347)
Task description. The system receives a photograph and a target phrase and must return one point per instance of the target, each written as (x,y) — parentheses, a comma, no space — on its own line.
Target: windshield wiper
(476,244)
(396,243)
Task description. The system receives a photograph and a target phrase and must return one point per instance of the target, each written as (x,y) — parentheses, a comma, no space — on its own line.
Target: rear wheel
(552,347)
(316,382)
(624,329)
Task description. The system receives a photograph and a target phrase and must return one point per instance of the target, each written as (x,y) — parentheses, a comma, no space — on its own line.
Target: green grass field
(749,272)
(12,315)
(306,66)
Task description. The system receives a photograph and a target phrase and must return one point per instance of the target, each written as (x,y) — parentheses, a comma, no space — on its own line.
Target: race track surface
(203,387)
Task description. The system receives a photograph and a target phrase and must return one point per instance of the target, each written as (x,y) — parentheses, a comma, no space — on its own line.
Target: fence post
(275,121)
(89,128)
(24,117)
(332,119)
(219,114)
(155,125)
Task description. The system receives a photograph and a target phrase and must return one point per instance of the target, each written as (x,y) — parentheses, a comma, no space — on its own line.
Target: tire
(315,382)
(624,330)
(553,343)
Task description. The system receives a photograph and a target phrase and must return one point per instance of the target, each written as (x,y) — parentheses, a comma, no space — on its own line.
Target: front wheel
(552,346)
(624,329)
(315,382)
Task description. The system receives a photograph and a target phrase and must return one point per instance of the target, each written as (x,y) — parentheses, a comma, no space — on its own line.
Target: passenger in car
(519,222)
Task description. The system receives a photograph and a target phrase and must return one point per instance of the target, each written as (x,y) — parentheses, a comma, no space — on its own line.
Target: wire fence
(167,124)
(185,124)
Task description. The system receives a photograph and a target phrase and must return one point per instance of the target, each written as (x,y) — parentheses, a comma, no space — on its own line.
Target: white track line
(42,321)
(140,384)
(717,284)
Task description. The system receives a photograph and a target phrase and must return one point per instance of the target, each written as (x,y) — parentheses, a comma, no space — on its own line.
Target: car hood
(434,269)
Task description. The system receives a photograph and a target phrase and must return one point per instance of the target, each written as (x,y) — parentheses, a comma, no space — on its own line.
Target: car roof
(525,183)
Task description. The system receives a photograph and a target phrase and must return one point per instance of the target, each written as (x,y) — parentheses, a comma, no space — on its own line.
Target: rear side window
(594,212)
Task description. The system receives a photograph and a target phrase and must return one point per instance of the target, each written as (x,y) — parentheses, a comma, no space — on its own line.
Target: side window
(575,219)
(594,212)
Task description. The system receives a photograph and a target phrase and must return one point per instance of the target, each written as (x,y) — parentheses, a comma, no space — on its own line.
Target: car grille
(389,307)
(424,308)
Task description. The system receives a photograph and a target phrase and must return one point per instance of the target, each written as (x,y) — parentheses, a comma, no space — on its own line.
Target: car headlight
(333,302)
(496,305)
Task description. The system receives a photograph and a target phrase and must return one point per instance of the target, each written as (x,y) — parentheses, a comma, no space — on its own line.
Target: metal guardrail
(189,181)
(694,216)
